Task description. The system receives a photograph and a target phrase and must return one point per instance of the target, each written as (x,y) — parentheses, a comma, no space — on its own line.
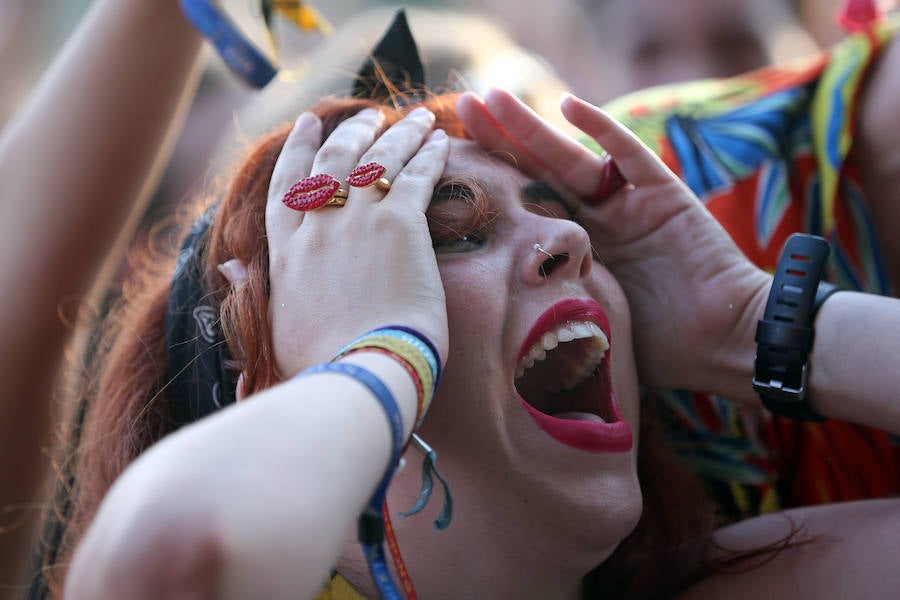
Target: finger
(341,152)
(638,164)
(416,182)
(559,158)
(392,150)
(491,135)
(294,162)
(544,152)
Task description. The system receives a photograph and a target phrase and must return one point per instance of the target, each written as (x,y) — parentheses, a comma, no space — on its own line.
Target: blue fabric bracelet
(242,57)
(384,396)
(371,531)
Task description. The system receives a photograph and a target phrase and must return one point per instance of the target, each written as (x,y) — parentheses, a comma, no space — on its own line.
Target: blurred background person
(605,48)
(460,51)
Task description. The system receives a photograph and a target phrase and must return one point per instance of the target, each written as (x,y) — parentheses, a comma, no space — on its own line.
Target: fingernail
(305,121)
(420,112)
(370,113)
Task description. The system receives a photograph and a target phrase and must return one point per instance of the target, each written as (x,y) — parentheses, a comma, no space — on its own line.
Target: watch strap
(785,334)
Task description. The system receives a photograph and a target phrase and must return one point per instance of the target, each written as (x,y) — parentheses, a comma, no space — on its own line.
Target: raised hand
(338,272)
(695,298)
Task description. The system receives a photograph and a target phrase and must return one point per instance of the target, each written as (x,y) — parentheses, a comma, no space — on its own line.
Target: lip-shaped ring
(365,175)
(311,192)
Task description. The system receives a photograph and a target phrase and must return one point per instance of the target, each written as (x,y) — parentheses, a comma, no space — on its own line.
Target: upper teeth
(566,332)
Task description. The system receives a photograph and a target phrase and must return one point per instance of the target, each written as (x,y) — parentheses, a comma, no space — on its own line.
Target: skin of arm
(77,160)
(255,501)
(852,375)
(878,127)
(846,550)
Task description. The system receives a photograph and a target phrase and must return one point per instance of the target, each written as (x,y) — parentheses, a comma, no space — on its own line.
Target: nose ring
(539,248)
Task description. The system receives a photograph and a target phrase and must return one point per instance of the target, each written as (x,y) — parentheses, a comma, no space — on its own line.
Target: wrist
(395,377)
(785,334)
(730,371)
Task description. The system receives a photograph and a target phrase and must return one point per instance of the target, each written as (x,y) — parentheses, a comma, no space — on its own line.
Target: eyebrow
(540,192)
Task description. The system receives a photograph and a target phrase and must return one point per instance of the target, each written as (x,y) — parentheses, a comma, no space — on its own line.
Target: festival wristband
(413,350)
(381,392)
(370,526)
(433,356)
(422,398)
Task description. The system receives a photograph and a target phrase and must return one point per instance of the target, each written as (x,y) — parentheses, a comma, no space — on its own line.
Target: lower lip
(588,436)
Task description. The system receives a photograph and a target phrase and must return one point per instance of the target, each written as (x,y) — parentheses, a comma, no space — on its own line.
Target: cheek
(476,303)
(624,368)
(459,419)
(607,291)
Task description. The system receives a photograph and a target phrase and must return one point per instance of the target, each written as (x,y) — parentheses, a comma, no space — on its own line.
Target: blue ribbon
(243,58)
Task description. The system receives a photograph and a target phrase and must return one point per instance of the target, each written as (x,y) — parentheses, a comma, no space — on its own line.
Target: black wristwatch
(784,336)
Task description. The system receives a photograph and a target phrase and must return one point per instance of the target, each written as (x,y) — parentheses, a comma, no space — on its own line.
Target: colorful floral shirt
(770,153)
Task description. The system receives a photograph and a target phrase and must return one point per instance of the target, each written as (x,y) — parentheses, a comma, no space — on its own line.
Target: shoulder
(846,550)
(878,117)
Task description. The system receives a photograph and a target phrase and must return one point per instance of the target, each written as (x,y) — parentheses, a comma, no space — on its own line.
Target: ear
(393,66)
(234,270)
(239,390)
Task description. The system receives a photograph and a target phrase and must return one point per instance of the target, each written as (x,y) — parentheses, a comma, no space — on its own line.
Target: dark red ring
(611,181)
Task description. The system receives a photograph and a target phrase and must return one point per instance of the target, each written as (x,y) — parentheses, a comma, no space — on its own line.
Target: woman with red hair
(368,259)
(536,417)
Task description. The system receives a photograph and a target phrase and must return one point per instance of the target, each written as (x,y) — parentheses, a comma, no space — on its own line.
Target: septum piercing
(541,249)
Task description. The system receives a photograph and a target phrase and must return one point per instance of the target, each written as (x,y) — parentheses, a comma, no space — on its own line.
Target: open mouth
(566,373)
(563,378)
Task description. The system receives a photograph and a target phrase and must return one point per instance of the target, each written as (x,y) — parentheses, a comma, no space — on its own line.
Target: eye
(457,219)
(466,243)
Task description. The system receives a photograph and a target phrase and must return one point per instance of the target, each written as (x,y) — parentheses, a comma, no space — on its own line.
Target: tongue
(579,416)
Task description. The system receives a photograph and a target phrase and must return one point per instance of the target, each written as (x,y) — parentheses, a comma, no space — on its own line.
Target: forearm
(853,364)
(82,151)
(853,374)
(266,491)
(73,164)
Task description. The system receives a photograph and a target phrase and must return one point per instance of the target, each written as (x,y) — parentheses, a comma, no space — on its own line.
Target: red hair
(125,405)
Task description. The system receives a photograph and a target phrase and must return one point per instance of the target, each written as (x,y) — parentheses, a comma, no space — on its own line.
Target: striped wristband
(412,350)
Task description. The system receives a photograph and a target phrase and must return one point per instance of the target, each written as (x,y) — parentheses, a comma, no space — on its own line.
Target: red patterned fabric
(771,153)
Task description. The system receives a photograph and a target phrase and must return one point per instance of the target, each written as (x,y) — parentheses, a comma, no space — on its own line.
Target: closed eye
(458,218)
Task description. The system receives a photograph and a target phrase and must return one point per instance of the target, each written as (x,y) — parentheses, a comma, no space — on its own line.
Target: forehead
(469,160)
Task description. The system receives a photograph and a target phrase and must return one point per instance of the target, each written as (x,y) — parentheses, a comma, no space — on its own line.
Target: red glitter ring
(368,174)
(311,192)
